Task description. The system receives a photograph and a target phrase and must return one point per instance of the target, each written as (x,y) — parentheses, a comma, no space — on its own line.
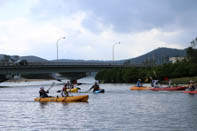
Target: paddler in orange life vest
(95,87)
(64,92)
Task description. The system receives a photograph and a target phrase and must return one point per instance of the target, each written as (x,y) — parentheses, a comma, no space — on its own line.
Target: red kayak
(177,88)
(191,92)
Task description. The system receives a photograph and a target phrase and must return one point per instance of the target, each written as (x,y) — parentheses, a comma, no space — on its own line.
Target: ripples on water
(117,109)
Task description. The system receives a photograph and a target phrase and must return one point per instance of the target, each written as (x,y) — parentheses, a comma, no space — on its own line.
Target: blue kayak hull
(99,91)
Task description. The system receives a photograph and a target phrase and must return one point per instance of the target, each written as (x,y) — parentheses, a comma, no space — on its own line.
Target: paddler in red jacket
(64,91)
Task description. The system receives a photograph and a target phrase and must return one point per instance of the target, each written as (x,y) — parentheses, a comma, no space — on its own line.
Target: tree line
(185,68)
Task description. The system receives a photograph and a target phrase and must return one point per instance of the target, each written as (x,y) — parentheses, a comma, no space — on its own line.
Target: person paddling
(139,83)
(191,85)
(43,93)
(64,92)
(169,83)
(95,87)
(154,83)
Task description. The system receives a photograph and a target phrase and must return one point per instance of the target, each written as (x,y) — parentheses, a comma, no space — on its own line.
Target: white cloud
(26,34)
(135,44)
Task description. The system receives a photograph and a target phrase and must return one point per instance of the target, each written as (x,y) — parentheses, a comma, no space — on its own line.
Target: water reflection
(46,104)
(64,103)
(43,104)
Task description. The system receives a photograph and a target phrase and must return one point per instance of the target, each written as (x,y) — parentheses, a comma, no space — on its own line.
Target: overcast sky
(92,27)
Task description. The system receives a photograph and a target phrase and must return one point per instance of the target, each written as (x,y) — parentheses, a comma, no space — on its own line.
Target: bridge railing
(70,63)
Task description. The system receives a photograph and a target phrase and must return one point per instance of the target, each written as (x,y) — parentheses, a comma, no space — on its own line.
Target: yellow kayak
(140,88)
(82,98)
(73,90)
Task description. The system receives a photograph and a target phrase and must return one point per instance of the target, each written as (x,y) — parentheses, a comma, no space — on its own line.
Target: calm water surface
(118,109)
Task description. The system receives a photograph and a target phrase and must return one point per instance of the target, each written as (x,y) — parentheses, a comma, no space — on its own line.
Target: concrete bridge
(71,70)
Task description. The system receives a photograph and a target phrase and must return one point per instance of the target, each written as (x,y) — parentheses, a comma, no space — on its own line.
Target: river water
(118,109)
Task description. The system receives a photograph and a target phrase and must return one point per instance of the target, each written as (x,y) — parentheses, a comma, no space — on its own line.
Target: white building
(175,59)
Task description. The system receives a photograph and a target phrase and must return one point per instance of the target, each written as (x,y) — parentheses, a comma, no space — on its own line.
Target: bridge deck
(54,67)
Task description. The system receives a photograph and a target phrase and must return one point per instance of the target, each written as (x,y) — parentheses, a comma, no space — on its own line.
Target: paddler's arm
(91,88)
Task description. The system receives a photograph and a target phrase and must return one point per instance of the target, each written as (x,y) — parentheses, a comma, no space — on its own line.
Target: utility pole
(113,50)
(57,45)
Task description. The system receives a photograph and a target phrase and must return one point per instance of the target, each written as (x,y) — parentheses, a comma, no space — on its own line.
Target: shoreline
(182,80)
(28,80)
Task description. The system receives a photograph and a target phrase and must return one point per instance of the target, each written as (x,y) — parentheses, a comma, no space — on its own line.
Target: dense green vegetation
(182,80)
(185,68)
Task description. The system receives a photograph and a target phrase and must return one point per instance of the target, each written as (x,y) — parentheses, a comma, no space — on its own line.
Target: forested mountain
(14,58)
(157,56)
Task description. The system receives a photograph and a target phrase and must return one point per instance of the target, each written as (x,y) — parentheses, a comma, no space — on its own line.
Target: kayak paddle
(51,86)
